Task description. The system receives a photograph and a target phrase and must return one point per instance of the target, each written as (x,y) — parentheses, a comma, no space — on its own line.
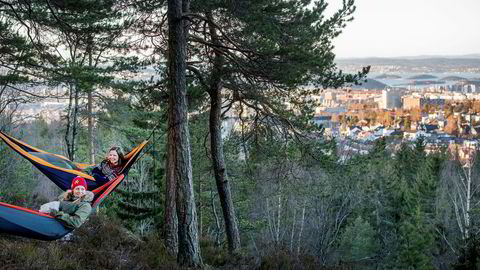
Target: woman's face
(79,191)
(113,157)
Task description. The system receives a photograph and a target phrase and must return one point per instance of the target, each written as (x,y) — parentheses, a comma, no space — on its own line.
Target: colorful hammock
(33,224)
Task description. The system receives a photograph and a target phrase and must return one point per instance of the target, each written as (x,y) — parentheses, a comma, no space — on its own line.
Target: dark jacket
(104,171)
(73,215)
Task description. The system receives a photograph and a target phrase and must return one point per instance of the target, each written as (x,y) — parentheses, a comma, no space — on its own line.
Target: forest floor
(103,243)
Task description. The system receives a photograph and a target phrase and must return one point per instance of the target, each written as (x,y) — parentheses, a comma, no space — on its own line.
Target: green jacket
(73,215)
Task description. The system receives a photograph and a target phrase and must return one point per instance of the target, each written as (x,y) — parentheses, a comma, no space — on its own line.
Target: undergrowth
(103,243)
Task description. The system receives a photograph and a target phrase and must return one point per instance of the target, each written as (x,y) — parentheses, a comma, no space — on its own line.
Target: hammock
(30,223)
(33,224)
(58,168)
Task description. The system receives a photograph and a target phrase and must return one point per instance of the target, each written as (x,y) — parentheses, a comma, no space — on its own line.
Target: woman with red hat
(75,205)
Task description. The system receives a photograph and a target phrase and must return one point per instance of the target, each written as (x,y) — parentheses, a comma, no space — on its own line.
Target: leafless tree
(462,175)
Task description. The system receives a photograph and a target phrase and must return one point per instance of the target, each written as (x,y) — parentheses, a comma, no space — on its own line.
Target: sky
(396,28)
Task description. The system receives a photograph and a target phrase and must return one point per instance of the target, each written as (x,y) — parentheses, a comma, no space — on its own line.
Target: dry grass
(102,243)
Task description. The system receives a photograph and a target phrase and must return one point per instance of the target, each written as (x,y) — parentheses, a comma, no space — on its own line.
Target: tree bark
(170,214)
(292,234)
(216,146)
(200,211)
(217,222)
(91,149)
(302,223)
(465,190)
(71,131)
(279,217)
(469,199)
(179,159)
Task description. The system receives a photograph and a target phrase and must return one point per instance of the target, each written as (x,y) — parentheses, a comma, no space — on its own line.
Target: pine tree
(22,66)
(79,37)
(261,51)
(412,196)
(415,241)
(141,195)
(358,241)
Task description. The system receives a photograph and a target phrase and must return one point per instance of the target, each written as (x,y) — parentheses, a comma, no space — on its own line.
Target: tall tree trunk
(91,149)
(302,222)
(217,222)
(216,145)
(200,211)
(74,127)
(292,234)
(279,218)
(468,201)
(71,131)
(69,121)
(179,159)
(170,214)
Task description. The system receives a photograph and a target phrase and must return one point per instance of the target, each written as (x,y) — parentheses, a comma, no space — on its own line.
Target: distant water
(405,82)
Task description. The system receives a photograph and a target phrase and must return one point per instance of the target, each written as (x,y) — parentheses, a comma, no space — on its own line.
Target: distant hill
(412,64)
(371,84)
(423,77)
(453,78)
(464,56)
(388,76)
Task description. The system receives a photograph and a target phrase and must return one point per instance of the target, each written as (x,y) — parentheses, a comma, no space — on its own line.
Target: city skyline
(387,28)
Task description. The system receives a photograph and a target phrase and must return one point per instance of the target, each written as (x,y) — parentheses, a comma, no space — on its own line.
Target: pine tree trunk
(200,210)
(74,126)
(69,121)
(71,131)
(170,213)
(91,151)
(90,129)
(216,144)
(179,159)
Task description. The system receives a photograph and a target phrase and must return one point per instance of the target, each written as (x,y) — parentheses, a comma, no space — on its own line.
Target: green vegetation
(265,188)
(297,207)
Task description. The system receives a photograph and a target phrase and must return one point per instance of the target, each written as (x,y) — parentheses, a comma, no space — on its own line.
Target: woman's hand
(80,199)
(77,200)
(67,194)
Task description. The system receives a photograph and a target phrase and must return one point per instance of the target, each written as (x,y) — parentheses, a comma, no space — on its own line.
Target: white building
(330,99)
(391,99)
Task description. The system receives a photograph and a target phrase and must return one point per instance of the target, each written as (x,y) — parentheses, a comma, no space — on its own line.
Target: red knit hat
(79,181)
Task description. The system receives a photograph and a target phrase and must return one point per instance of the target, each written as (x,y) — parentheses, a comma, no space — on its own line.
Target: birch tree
(463,175)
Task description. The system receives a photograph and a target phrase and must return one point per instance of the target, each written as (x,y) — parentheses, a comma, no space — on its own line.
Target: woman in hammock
(74,205)
(109,168)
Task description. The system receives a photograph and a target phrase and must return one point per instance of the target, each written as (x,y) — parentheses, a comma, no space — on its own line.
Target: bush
(282,259)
